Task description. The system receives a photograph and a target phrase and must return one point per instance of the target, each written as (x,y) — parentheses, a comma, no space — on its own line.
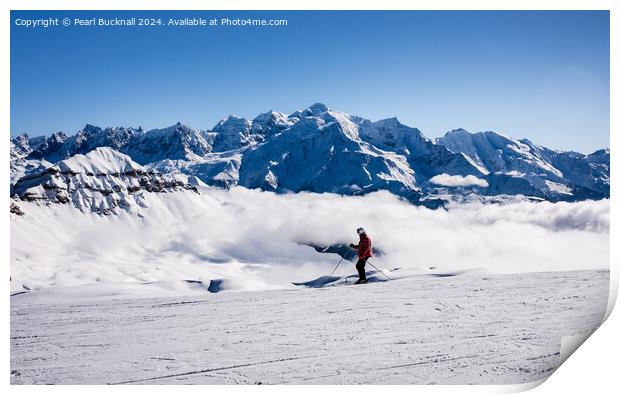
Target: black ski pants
(360,266)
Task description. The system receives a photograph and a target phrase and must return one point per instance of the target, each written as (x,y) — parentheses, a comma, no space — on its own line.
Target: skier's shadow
(337,280)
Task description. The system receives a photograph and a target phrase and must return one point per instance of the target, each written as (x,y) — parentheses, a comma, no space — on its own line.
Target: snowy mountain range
(317,150)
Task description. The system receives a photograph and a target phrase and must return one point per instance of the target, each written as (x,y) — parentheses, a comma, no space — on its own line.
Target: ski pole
(390,278)
(344,256)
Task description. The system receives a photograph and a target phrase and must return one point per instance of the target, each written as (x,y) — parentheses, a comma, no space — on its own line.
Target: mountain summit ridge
(319,149)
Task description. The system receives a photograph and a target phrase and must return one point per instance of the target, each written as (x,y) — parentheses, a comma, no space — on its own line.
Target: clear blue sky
(541,75)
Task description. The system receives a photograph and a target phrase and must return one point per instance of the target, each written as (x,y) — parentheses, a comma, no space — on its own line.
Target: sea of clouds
(253,240)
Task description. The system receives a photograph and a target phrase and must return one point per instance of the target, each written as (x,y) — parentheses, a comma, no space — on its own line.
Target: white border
(593,367)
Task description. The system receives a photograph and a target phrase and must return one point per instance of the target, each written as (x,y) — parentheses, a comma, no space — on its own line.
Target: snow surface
(24,167)
(467,329)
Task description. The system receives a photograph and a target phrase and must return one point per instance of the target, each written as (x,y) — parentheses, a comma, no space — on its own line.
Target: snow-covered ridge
(551,172)
(322,150)
(103,181)
(100,161)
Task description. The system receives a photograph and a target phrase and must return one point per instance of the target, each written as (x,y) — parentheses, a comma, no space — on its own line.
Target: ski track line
(245,365)
(178,303)
(434,361)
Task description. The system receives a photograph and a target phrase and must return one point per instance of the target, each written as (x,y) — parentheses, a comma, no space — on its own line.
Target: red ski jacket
(364,248)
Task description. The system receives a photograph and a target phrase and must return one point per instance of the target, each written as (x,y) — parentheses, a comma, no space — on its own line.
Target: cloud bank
(253,240)
(458,181)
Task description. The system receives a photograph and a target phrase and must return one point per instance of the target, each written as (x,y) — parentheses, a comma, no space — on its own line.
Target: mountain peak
(458,131)
(88,128)
(313,110)
(393,121)
(318,108)
(232,124)
(98,161)
(59,136)
(21,137)
(103,181)
(497,134)
(271,122)
(268,115)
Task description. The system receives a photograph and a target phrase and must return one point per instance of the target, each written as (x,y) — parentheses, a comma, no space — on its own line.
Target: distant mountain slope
(20,148)
(324,153)
(175,142)
(556,174)
(322,150)
(102,181)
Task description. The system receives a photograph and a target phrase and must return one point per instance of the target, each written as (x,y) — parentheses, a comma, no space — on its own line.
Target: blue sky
(540,75)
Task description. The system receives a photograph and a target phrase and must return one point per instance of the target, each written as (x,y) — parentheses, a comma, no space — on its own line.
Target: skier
(364,251)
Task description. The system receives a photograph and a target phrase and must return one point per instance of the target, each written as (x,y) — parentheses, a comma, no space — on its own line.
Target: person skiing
(364,251)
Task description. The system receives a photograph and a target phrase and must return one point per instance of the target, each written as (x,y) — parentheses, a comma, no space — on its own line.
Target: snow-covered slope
(548,173)
(271,123)
(324,153)
(389,134)
(176,142)
(59,146)
(234,132)
(23,167)
(426,158)
(20,147)
(491,329)
(103,181)
(220,169)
